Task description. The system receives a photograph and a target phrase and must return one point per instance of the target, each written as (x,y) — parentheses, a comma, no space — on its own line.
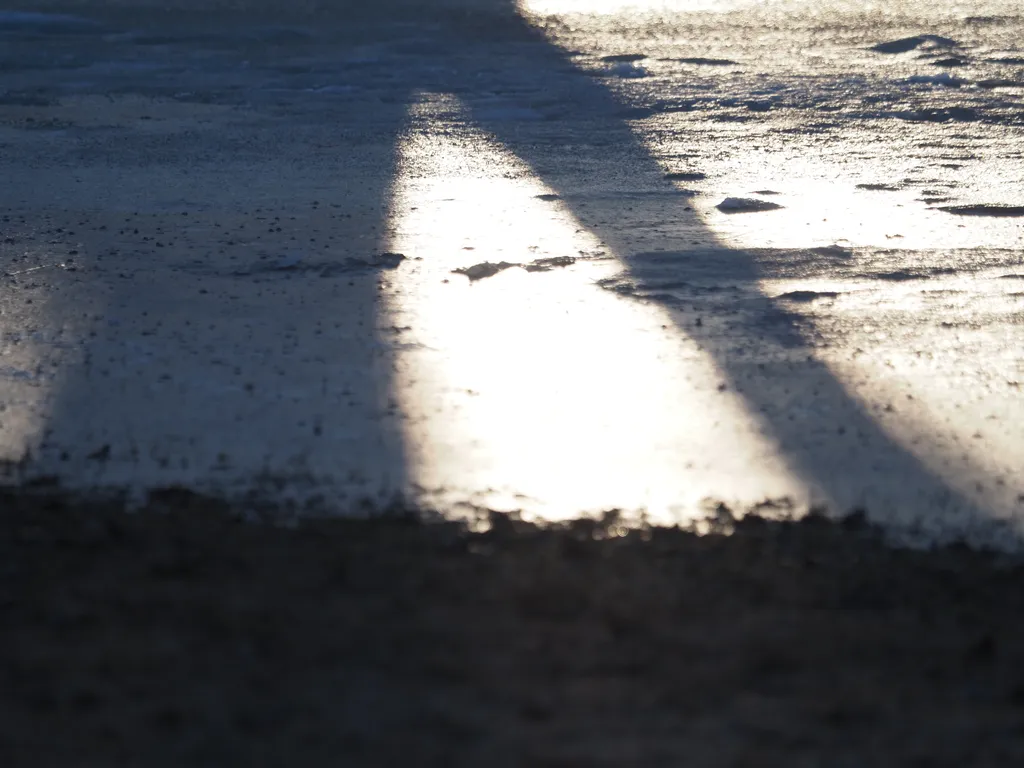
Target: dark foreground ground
(182,636)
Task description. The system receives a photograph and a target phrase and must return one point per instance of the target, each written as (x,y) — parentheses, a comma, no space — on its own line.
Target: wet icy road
(760,254)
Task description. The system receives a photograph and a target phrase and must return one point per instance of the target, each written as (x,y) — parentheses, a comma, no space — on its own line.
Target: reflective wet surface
(558,258)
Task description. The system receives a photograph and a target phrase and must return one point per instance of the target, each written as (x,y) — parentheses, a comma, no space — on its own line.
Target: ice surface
(858,347)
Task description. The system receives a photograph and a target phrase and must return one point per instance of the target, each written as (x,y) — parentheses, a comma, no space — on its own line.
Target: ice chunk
(626,70)
(685,176)
(489,269)
(746,205)
(549,263)
(905,44)
(999,82)
(998,210)
(880,187)
(484,269)
(700,61)
(624,58)
(807,296)
(943,78)
(387,260)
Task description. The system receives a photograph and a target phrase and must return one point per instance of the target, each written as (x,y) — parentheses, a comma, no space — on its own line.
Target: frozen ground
(201,213)
(680,259)
(180,636)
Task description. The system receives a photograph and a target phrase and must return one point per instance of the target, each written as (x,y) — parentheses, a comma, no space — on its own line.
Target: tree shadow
(531,97)
(221,328)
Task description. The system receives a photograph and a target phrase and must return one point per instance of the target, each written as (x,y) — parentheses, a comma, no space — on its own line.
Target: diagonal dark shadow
(224,331)
(586,151)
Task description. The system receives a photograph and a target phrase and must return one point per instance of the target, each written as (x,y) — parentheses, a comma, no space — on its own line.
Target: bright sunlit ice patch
(848,191)
(537,390)
(820,211)
(30,349)
(919,325)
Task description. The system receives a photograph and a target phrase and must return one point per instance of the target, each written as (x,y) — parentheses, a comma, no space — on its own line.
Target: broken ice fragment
(1008,211)
(685,176)
(626,70)
(746,205)
(388,260)
(484,269)
(943,78)
(546,264)
(701,61)
(623,58)
(805,296)
(905,44)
